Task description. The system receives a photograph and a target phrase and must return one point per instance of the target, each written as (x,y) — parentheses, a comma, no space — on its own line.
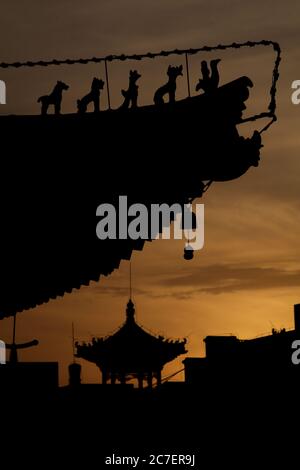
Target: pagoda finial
(130,285)
(130,311)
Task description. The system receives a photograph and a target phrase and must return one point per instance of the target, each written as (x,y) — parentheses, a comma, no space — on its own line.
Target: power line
(148,55)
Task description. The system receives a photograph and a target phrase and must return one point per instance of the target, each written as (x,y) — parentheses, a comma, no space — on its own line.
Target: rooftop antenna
(74,368)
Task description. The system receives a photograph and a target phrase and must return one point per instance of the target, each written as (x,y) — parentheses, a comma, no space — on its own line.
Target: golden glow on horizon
(247,277)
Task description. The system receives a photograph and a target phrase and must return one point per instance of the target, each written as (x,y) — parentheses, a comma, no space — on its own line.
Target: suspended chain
(150,55)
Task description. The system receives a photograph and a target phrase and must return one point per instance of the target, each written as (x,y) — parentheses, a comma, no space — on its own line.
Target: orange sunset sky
(247,277)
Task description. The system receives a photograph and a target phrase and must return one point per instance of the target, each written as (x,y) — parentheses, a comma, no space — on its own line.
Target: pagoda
(131,353)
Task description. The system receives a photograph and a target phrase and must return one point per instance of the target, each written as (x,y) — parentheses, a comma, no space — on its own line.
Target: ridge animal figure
(131,94)
(169,88)
(54,98)
(210,78)
(92,97)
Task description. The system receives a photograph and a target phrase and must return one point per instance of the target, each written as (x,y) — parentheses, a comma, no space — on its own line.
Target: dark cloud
(219,278)
(43,28)
(116,291)
(213,279)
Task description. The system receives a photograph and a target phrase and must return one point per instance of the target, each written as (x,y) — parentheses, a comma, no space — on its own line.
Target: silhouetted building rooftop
(234,358)
(131,352)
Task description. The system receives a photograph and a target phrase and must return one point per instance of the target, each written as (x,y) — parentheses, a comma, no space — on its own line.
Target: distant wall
(33,377)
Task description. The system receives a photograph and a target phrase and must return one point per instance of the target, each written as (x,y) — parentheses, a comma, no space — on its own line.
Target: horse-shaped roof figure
(54,98)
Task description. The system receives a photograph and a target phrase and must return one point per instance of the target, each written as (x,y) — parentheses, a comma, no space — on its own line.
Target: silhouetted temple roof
(56,170)
(131,348)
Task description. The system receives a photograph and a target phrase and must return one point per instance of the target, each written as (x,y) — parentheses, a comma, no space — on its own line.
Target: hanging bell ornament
(188,253)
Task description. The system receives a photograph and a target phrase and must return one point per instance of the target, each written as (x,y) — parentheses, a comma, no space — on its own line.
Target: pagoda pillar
(158,377)
(140,380)
(123,379)
(149,379)
(104,377)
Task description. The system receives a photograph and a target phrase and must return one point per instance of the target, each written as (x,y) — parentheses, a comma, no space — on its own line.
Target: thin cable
(151,55)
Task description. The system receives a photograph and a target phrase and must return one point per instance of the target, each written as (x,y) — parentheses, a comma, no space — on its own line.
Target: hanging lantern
(188,253)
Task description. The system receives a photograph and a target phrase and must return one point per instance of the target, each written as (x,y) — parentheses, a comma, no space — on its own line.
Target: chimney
(297,317)
(74,374)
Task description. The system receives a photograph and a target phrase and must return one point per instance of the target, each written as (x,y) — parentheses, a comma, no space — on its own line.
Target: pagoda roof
(131,348)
